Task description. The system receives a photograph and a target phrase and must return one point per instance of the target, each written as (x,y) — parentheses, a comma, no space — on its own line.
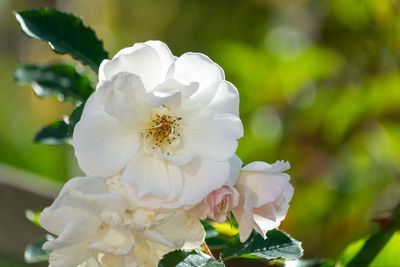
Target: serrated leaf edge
(25,30)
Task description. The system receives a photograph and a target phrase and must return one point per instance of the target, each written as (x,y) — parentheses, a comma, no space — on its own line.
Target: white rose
(94,225)
(265,193)
(169,124)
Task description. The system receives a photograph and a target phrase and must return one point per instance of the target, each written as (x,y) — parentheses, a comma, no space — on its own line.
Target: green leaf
(59,132)
(57,80)
(54,134)
(74,118)
(181,258)
(34,252)
(214,238)
(277,245)
(33,216)
(65,34)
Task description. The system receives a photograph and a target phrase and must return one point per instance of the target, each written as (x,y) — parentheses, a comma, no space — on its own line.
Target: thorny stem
(208,250)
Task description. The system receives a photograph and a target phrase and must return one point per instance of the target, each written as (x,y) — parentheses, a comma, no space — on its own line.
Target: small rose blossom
(265,193)
(217,204)
(169,124)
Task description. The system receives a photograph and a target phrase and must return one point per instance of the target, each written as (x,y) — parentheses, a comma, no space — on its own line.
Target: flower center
(165,130)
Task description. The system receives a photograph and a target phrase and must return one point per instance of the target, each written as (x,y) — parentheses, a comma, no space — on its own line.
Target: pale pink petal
(201,210)
(270,216)
(265,186)
(244,213)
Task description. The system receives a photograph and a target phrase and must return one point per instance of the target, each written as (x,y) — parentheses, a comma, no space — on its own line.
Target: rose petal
(196,67)
(153,176)
(200,178)
(142,60)
(213,137)
(122,98)
(113,242)
(259,166)
(97,203)
(225,100)
(244,213)
(186,89)
(183,231)
(270,216)
(236,164)
(166,57)
(149,253)
(92,107)
(265,186)
(172,99)
(221,97)
(55,221)
(76,231)
(69,256)
(118,261)
(65,208)
(103,146)
(87,185)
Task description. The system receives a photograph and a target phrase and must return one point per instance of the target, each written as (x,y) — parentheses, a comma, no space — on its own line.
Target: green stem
(377,242)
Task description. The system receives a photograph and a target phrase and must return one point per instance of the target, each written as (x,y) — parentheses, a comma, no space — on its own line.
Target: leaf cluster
(65,34)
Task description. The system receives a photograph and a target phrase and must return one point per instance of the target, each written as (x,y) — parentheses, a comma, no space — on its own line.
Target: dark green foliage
(214,239)
(74,118)
(277,245)
(65,34)
(57,80)
(53,134)
(65,84)
(59,132)
(181,258)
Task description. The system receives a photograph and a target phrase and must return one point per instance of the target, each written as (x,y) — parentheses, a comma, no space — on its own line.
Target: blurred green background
(319,83)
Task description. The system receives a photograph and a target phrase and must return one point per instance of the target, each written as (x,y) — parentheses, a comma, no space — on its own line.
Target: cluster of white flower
(157,141)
